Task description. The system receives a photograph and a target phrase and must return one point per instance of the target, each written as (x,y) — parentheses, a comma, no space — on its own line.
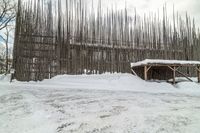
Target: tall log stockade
(73,37)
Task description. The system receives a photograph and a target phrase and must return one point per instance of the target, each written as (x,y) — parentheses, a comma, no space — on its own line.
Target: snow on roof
(165,62)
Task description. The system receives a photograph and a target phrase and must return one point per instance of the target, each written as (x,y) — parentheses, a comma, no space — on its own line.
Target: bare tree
(6,39)
(7,17)
(7,12)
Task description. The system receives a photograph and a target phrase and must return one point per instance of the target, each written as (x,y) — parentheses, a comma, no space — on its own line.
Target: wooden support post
(198,73)
(199,76)
(145,73)
(174,75)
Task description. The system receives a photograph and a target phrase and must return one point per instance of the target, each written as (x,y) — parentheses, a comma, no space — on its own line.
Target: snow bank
(123,82)
(117,82)
(112,82)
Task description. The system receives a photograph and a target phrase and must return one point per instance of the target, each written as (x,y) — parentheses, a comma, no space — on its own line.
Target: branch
(7,13)
(2,38)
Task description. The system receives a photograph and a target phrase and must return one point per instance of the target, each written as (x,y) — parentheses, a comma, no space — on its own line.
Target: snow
(157,61)
(5,78)
(108,103)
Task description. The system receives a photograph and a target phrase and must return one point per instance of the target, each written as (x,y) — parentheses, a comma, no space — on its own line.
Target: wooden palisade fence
(71,37)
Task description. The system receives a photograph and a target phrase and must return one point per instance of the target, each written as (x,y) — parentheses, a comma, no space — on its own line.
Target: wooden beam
(134,72)
(174,67)
(170,68)
(145,73)
(149,68)
(186,76)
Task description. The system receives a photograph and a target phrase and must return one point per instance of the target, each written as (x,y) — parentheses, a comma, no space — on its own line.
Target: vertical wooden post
(49,71)
(174,75)
(145,73)
(198,76)
(198,73)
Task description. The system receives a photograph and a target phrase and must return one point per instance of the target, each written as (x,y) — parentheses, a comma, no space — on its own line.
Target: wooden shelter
(165,69)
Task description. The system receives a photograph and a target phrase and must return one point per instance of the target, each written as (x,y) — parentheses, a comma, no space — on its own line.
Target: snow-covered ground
(115,103)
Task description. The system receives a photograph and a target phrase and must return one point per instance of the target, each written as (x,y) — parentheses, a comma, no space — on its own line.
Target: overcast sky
(145,6)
